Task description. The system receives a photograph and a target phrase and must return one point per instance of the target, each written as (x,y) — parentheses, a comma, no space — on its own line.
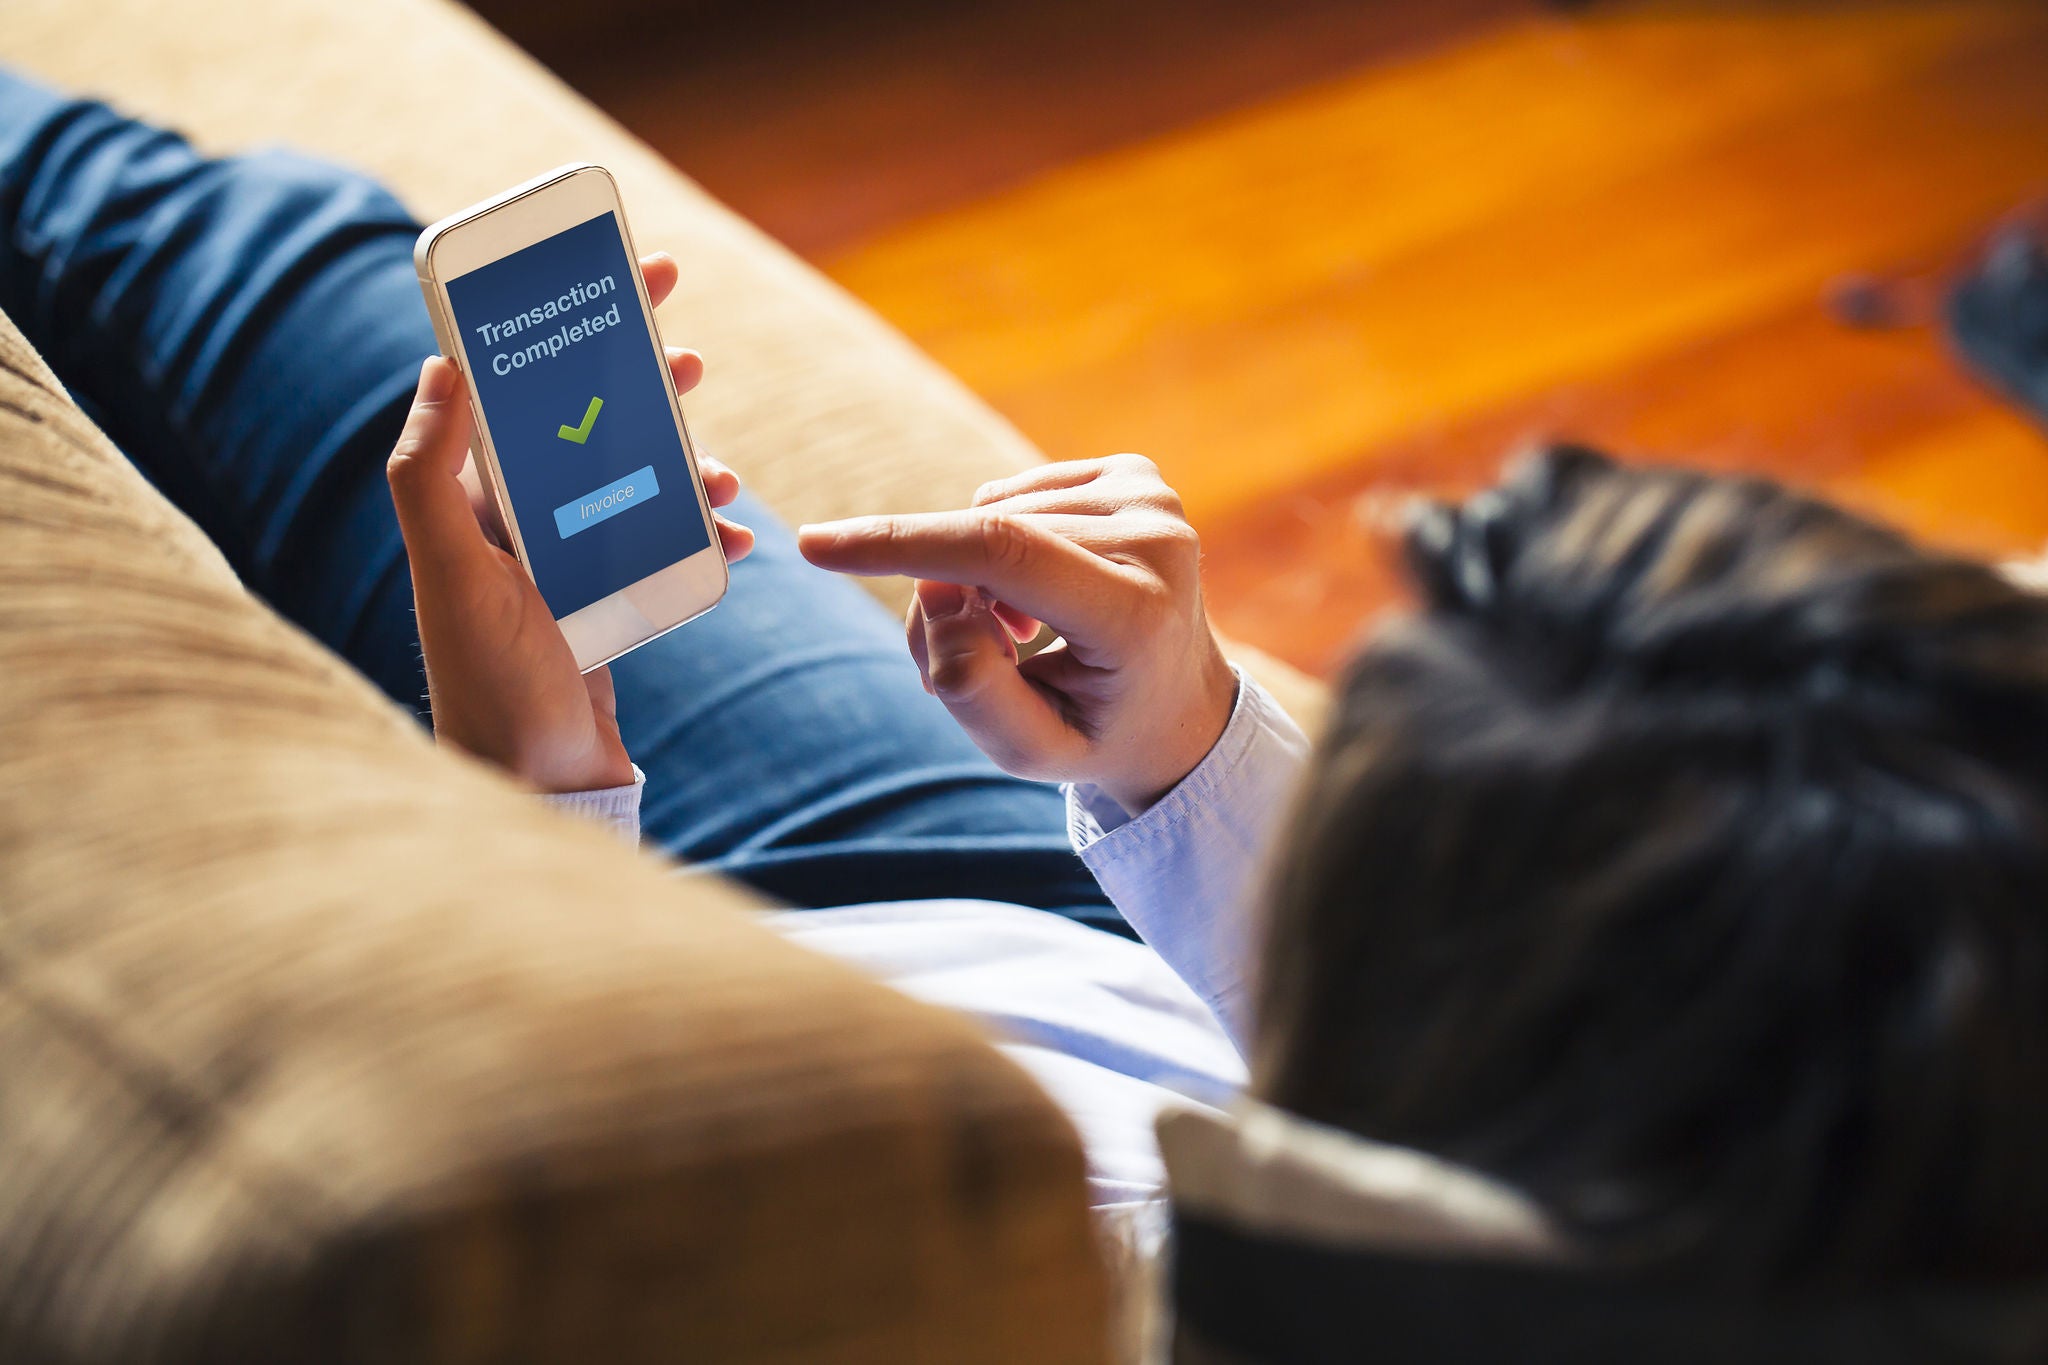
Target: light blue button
(608,501)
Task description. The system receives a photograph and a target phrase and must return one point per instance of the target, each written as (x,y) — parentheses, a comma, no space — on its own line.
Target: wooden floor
(1385,255)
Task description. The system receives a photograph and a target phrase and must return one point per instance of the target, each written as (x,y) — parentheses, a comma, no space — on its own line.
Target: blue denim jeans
(249,331)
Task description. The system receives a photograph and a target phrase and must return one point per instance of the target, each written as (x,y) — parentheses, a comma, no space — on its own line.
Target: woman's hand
(1135,692)
(502,681)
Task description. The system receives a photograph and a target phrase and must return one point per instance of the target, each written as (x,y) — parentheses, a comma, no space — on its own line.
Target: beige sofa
(320,1045)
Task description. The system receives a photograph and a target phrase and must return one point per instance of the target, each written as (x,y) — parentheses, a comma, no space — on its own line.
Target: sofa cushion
(324,1045)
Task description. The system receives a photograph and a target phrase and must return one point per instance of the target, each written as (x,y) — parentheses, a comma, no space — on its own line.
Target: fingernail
(941,600)
(437,381)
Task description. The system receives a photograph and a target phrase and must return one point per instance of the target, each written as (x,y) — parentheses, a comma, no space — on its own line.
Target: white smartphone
(580,442)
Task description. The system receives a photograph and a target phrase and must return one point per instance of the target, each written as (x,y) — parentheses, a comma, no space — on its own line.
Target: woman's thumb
(972,663)
(424,471)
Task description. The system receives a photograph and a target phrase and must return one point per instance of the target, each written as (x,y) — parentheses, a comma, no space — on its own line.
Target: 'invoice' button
(608,501)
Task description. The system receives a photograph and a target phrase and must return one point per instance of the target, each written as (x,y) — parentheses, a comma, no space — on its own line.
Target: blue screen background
(526,408)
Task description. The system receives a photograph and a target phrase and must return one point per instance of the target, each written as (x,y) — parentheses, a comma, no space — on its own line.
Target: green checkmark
(580,434)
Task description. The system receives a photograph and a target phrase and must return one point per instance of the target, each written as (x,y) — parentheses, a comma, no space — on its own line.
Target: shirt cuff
(1184,873)
(616,808)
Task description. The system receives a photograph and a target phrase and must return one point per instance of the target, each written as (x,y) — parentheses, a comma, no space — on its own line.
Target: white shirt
(1111,1029)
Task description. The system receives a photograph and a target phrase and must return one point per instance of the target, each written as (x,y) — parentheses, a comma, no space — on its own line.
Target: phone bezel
(488,232)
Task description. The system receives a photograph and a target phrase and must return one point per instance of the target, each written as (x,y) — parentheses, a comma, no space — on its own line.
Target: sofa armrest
(323,1045)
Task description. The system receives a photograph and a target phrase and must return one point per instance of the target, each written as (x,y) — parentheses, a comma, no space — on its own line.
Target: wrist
(552,772)
(612,771)
(1172,753)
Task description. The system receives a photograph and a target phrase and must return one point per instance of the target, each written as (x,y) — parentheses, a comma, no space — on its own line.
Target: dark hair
(1683,860)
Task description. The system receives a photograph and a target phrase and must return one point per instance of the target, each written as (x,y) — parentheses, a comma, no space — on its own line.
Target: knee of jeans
(291,193)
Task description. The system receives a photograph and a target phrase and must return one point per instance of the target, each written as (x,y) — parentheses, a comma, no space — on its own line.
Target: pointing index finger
(1027,566)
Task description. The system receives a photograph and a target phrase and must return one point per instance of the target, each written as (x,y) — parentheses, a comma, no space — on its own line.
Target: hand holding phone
(579,440)
(504,683)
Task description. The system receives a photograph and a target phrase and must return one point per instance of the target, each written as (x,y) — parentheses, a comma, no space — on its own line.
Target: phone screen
(567,376)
